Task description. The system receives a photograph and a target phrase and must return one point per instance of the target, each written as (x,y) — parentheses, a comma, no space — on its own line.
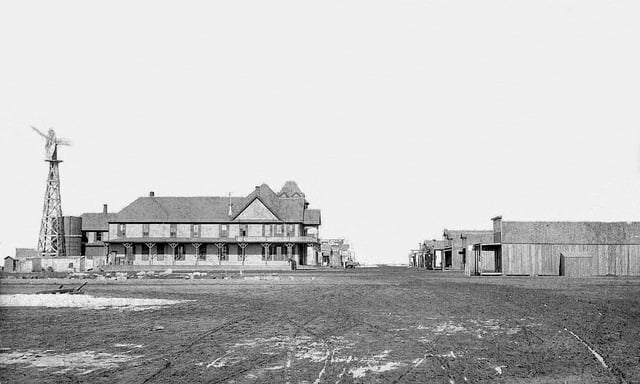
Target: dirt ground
(374,325)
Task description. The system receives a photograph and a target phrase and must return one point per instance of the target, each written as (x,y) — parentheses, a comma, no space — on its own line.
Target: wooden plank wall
(575,266)
(544,259)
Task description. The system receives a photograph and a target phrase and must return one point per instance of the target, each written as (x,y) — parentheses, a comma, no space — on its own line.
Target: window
(145,253)
(178,253)
(98,236)
(244,229)
(265,251)
(240,253)
(290,230)
(195,230)
(122,230)
(267,230)
(279,229)
(202,253)
(160,254)
(223,253)
(173,230)
(145,230)
(224,230)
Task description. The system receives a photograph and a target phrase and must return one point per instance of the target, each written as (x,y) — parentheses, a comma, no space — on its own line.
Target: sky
(396,118)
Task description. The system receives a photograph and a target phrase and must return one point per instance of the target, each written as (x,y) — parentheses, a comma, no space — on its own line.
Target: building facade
(95,235)
(536,248)
(263,228)
(457,244)
(336,252)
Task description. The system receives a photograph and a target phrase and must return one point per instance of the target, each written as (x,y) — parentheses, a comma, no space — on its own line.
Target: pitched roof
(177,209)
(312,217)
(213,209)
(290,189)
(96,221)
(24,253)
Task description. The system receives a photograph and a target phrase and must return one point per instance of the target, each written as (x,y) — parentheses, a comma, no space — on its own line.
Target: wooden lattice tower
(51,239)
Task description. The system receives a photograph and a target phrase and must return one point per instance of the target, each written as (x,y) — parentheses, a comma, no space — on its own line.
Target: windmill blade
(39,132)
(63,141)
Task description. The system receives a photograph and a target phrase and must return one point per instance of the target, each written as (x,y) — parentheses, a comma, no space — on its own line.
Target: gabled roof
(256,210)
(96,221)
(214,209)
(290,189)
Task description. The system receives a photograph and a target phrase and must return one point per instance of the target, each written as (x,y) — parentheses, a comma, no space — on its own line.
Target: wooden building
(263,228)
(458,244)
(95,235)
(558,248)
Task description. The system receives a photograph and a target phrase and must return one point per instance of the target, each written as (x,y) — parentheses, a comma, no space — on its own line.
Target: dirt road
(366,325)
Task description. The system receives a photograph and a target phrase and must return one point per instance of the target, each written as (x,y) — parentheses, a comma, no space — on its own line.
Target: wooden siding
(575,265)
(544,259)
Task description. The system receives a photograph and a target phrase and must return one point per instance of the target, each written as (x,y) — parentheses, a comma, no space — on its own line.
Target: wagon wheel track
(195,341)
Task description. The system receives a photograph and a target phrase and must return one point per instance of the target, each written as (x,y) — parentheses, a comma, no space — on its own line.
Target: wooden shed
(10,264)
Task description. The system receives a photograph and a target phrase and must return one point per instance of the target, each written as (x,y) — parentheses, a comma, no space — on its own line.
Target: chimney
(257,187)
(104,208)
(152,194)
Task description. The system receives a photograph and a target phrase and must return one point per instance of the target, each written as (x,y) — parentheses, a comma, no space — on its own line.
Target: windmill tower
(51,240)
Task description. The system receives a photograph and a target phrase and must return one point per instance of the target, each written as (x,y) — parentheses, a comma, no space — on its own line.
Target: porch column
(106,253)
(150,245)
(290,251)
(127,247)
(267,253)
(242,247)
(173,252)
(197,246)
(220,246)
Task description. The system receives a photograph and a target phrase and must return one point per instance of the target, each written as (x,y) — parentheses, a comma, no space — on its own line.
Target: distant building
(262,228)
(554,248)
(335,252)
(458,243)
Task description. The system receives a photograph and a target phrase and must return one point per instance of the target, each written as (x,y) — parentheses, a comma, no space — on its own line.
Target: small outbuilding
(10,264)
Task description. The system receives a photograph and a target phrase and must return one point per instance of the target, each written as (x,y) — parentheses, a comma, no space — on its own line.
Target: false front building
(263,228)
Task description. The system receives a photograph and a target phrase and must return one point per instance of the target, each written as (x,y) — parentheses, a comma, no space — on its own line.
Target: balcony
(277,239)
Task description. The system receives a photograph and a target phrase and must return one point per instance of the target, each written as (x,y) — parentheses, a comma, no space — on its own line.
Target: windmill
(51,239)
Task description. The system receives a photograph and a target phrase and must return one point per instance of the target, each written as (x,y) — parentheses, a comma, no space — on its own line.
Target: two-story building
(95,235)
(262,228)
